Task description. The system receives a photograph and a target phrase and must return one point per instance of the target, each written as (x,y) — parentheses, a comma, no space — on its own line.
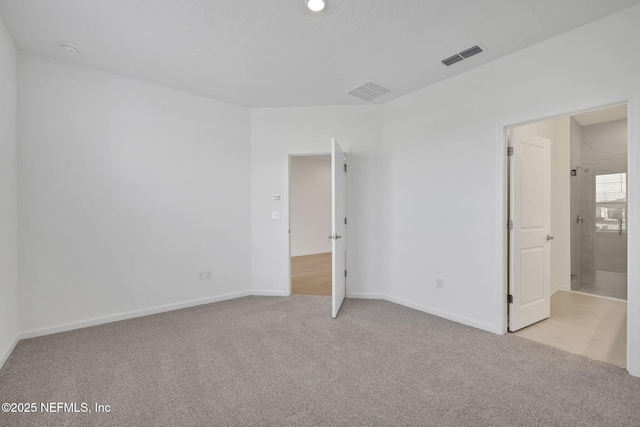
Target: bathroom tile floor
(583,324)
(607,284)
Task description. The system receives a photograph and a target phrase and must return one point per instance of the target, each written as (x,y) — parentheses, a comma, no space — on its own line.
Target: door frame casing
(287,208)
(633,206)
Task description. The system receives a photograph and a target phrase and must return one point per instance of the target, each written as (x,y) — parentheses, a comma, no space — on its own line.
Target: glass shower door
(610,236)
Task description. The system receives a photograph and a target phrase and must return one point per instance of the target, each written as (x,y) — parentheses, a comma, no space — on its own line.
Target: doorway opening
(310,224)
(599,158)
(567,238)
(338,219)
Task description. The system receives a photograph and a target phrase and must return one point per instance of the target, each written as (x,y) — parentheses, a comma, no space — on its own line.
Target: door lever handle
(334,236)
(549,237)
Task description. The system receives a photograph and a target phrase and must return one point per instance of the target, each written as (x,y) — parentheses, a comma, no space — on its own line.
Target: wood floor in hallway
(311,274)
(582,324)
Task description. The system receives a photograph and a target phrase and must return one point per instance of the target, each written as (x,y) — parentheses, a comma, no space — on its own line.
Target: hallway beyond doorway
(311,274)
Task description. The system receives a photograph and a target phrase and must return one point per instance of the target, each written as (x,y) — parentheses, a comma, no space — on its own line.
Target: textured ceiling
(277,53)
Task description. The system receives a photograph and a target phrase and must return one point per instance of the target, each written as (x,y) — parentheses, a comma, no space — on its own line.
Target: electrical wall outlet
(205,274)
(439,283)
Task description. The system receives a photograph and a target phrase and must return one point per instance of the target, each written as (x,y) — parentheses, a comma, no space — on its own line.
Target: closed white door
(529,238)
(338,235)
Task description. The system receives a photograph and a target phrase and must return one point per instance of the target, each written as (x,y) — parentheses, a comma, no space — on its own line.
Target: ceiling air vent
(467,53)
(369,91)
(470,52)
(452,60)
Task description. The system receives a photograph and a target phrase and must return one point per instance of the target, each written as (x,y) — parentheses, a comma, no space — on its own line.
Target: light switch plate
(275,216)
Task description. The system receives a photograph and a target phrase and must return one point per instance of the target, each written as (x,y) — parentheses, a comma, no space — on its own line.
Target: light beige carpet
(270,361)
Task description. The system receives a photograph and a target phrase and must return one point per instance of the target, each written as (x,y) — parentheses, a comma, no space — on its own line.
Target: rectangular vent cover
(470,52)
(369,91)
(467,53)
(452,60)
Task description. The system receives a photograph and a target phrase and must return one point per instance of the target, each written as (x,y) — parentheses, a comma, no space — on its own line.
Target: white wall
(561,205)
(446,150)
(557,131)
(278,132)
(126,190)
(8,196)
(310,204)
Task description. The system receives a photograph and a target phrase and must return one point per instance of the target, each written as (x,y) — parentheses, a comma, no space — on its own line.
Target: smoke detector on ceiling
(369,91)
(70,49)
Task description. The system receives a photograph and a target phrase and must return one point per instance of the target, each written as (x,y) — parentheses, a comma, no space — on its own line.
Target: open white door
(529,239)
(338,236)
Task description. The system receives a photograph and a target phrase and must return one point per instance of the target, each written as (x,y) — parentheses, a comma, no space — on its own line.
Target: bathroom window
(611,202)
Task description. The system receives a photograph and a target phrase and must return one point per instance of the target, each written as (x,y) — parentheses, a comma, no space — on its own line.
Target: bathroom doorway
(582,278)
(599,203)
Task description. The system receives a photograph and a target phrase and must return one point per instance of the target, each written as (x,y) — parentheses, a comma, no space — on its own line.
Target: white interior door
(338,236)
(530,211)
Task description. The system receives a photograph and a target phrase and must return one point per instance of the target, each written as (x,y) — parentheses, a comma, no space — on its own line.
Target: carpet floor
(270,361)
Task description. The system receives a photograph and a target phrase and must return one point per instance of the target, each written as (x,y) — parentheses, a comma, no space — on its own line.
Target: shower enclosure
(599,208)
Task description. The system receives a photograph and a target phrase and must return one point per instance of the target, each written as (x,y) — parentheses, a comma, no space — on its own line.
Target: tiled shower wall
(603,149)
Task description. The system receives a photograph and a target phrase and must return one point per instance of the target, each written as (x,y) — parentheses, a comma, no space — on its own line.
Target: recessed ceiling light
(316,5)
(70,49)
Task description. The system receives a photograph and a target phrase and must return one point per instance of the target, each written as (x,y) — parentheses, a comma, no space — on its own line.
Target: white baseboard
(63,327)
(560,288)
(270,293)
(633,369)
(444,314)
(311,253)
(5,355)
(365,295)
(278,293)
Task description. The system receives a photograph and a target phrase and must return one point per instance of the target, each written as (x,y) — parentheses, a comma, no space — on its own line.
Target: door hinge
(345,167)
(345,221)
(345,273)
(510,299)
(509,151)
(510,225)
